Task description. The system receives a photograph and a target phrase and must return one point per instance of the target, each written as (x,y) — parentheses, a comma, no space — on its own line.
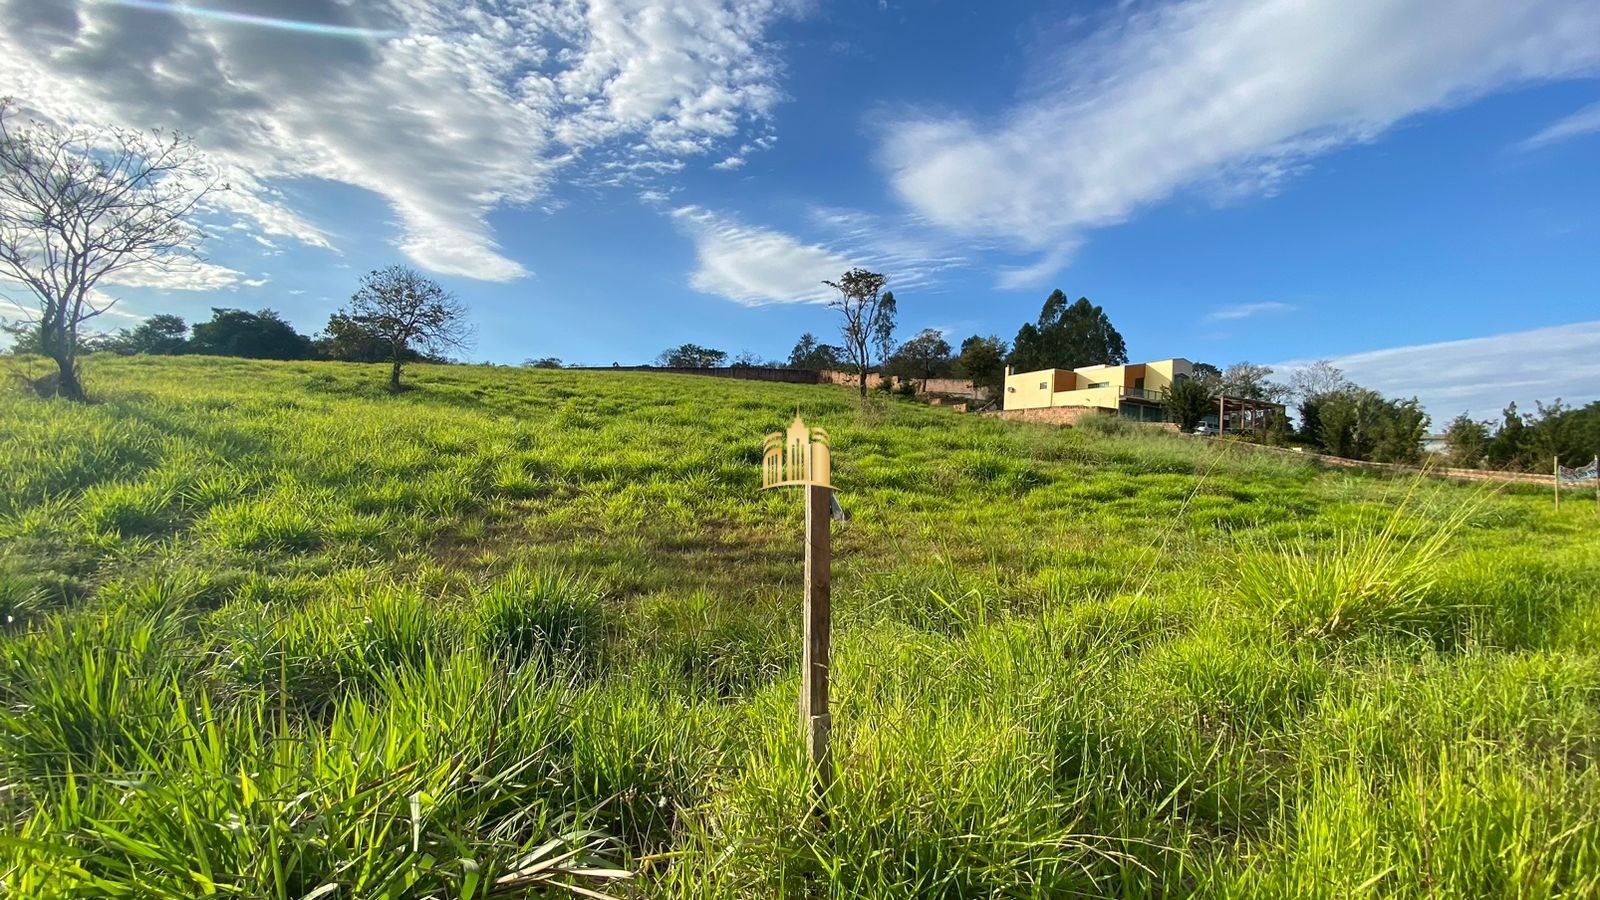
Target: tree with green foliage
(1360,423)
(809,353)
(259,335)
(25,339)
(1068,336)
(691,356)
(1311,385)
(546,362)
(1560,430)
(868,312)
(1550,436)
(411,315)
(346,339)
(926,355)
(1208,375)
(159,335)
(1466,442)
(1187,401)
(1346,421)
(1509,448)
(982,361)
(1399,428)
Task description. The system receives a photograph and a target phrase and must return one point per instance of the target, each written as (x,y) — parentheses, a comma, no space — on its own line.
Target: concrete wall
(1104,398)
(830,376)
(1159,375)
(951,387)
(1029,390)
(1052,415)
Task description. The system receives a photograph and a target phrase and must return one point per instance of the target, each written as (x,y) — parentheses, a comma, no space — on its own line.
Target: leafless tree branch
(78,206)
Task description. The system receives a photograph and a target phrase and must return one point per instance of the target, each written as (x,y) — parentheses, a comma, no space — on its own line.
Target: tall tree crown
(1068,336)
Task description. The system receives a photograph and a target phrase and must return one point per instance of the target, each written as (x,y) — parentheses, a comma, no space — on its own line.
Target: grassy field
(272,632)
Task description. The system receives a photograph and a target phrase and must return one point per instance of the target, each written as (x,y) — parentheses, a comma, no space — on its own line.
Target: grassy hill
(273,632)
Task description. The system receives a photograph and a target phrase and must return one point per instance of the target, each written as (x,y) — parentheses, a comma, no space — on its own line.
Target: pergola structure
(1244,415)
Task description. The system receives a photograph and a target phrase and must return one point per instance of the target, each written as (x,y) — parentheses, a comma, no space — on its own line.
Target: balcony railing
(1141,394)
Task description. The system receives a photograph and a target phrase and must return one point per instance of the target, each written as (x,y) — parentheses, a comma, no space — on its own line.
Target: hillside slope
(272,629)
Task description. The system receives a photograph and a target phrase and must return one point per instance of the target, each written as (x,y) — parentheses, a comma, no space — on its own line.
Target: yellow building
(1133,391)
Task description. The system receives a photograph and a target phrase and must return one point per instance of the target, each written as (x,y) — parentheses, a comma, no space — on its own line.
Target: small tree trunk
(863,382)
(394,376)
(67,383)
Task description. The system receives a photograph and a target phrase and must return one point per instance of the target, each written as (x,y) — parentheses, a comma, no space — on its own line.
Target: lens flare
(238,18)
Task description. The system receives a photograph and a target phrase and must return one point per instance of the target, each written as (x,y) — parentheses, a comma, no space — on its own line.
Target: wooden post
(1222,414)
(816,722)
(1555,467)
(1597,480)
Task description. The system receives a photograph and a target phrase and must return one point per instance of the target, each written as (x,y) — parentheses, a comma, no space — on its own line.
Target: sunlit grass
(267,630)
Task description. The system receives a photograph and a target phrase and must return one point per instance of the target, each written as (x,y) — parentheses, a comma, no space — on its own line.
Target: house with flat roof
(1132,391)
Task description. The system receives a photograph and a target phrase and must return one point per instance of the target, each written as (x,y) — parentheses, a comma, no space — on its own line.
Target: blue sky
(1409,187)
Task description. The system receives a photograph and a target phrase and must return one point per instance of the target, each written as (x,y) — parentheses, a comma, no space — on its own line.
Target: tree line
(1066,335)
(396,316)
(1523,442)
(79,207)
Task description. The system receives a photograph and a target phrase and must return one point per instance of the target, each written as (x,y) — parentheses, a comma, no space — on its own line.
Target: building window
(1044,385)
(1138,383)
(1099,384)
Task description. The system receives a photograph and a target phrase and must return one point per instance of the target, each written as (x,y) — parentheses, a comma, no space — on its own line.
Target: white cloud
(729,164)
(476,106)
(1229,95)
(176,274)
(1012,278)
(1584,121)
(755,265)
(1481,375)
(1246,310)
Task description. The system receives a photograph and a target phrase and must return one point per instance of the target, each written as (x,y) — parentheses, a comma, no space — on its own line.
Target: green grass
(269,631)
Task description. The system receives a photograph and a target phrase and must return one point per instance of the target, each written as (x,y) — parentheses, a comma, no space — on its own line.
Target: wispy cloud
(1247,310)
(1233,96)
(1584,121)
(756,265)
(1481,375)
(448,109)
(176,275)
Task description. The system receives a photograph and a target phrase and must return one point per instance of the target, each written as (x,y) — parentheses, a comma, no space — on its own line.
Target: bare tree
(80,205)
(868,318)
(1319,379)
(410,313)
(1246,379)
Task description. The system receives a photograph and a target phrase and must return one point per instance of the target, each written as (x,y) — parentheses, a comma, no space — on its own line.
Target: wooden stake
(816,722)
(1555,466)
